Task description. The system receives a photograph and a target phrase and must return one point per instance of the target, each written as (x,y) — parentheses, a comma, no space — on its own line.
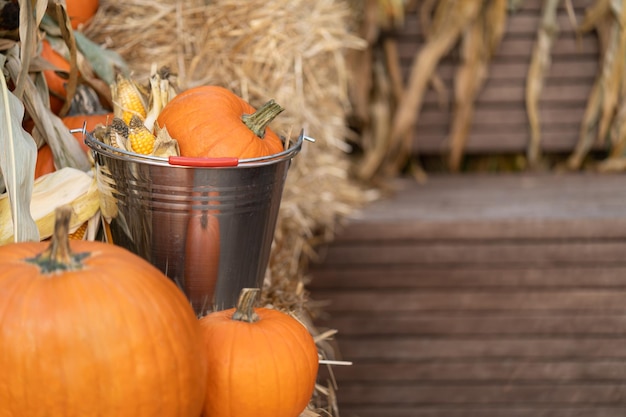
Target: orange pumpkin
(45,159)
(56,83)
(81,12)
(213,122)
(261,362)
(90,121)
(90,329)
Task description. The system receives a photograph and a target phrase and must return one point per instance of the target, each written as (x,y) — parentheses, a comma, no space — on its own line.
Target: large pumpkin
(261,362)
(93,330)
(213,122)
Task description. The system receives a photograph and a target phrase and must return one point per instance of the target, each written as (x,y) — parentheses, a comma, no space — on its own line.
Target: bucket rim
(99,147)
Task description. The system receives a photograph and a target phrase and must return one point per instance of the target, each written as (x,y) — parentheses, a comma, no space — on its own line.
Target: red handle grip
(188,161)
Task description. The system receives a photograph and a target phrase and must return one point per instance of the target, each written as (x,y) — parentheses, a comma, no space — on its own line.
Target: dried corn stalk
(480,42)
(451,18)
(539,65)
(604,98)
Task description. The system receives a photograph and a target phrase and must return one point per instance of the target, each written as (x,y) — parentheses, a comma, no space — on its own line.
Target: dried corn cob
(141,140)
(65,186)
(79,233)
(117,134)
(128,100)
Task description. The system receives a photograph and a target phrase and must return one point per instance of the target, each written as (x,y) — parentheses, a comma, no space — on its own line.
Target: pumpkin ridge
(145,314)
(296,330)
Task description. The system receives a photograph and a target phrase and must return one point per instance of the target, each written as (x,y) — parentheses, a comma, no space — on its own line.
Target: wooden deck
(482,296)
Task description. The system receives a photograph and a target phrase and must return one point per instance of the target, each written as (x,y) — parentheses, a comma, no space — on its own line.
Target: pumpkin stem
(58,256)
(245,305)
(258,121)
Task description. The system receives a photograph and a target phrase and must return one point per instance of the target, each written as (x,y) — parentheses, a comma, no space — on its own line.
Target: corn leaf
(106,63)
(31,13)
(65,148)
(17,163)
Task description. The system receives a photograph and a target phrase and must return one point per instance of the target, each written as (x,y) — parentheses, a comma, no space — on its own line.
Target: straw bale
(290,50)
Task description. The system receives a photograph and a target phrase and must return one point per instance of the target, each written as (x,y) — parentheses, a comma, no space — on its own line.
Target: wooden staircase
(481,296)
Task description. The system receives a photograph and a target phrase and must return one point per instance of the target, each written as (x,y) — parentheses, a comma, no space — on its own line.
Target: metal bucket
(208,224)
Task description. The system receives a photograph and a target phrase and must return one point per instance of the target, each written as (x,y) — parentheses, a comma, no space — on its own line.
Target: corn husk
(67,186)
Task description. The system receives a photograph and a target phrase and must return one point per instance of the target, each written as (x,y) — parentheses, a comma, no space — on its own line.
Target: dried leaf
(66,150)
(31,14)
(17,163)
(165,145)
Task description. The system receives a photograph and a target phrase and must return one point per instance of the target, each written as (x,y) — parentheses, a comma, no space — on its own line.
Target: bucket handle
(188,161)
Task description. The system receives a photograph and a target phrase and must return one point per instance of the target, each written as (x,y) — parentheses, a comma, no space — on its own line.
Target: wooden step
(481,296)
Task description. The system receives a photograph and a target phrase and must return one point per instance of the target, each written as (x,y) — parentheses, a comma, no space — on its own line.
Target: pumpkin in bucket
(213,122)
(90,329)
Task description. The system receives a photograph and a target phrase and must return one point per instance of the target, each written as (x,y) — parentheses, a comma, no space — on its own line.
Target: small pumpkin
(90,329)
(213,122)
(56,83)
(89,120)
(261,362)
(45,158)
(81,12)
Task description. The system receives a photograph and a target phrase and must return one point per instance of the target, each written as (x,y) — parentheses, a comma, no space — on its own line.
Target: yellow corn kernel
(79,233)
(140,138)
(128,100)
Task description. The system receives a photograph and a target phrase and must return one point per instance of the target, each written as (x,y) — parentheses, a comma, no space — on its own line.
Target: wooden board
(481,296)
(500,123)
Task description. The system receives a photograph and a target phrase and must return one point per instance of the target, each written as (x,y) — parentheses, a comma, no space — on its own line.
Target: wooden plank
(565,47)
(509,117)
(574,94)
(573,71)
(522,395)
(524,22)
(408,277)
(477,253)
(470,323)
(575,301)
(562,139)
(477,371)
(468,349)
(504,206)
(392,410)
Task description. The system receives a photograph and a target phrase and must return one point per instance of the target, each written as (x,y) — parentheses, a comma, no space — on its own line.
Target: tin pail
(208,224)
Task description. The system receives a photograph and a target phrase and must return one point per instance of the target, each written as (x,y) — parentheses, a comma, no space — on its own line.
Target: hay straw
(293,51)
